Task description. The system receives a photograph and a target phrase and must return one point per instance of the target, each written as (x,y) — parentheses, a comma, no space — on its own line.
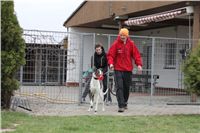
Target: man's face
(123,37)
(98,50)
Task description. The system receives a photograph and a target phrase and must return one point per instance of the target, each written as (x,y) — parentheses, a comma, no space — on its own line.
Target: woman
(100,62)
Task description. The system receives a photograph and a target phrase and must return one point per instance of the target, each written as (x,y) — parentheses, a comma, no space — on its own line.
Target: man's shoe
(125,107)
(121,110)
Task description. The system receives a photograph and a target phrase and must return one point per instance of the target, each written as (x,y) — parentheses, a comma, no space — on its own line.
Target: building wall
(73,56)
(171,32)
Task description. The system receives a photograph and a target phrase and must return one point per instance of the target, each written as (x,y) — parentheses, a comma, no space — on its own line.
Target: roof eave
(74,12)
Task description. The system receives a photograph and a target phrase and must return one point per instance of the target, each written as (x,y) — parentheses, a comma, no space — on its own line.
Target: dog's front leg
(91,105)
(97,102)
(91,101)
(102,98)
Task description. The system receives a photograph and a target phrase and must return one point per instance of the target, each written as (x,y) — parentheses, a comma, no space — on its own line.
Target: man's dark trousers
(123,82)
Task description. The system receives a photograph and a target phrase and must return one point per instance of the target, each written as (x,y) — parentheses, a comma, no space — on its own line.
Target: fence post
(94,43)
(21,77)
(59,67)
(46,66)
(63,71)
(108,73)
(81,69)
(152,69)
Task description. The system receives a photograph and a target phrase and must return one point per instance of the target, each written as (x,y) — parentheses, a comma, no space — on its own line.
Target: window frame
(170,56)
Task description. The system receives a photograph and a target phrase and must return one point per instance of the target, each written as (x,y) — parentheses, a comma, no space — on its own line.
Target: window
(170,56)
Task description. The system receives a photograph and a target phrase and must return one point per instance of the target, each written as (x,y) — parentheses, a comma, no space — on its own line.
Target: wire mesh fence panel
(52,68)
(169,56)
(161,81)
(141,83)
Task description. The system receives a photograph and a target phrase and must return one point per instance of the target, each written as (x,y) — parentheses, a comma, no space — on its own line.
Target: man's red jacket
(121,55)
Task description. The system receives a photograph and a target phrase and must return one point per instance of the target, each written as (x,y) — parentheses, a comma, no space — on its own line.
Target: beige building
(169,19)
(101,15)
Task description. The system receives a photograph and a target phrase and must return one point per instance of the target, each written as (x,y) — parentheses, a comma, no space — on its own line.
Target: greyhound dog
(96,90)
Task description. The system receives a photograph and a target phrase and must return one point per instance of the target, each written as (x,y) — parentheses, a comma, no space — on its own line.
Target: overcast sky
(44,14)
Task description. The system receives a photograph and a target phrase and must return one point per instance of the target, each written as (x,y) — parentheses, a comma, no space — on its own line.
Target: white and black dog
(96,89)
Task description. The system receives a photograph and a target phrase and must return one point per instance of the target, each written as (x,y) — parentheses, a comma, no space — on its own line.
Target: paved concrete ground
(139,103)
(77,110)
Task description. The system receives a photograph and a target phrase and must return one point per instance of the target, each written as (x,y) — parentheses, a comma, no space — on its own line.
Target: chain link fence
(56,61)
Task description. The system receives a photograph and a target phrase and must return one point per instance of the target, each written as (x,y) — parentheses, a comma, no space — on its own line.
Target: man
(120,56)
(100,61)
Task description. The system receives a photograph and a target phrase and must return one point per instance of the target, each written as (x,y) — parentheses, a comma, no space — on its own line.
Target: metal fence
(51,63)
(56,61)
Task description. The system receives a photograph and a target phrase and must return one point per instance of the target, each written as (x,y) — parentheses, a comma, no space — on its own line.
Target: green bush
(12,52)
(191,69)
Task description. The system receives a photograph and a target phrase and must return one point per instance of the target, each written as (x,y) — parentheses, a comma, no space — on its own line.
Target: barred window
(170,56)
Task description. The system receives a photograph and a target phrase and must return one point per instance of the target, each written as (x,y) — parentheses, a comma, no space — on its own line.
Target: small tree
(191,69)
(12,52)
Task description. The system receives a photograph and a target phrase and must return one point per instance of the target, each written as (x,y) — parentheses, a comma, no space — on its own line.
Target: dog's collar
(96,78)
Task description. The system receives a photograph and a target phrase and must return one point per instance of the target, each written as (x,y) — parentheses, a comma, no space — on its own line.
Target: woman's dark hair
(98,45)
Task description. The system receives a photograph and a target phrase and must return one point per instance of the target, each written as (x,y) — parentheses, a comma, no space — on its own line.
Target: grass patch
(101,124)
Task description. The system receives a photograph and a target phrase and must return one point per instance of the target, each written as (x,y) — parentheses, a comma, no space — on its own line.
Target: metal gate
(53,66)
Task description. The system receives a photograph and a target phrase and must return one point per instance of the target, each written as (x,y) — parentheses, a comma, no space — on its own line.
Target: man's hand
(139,69)
(111,67)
